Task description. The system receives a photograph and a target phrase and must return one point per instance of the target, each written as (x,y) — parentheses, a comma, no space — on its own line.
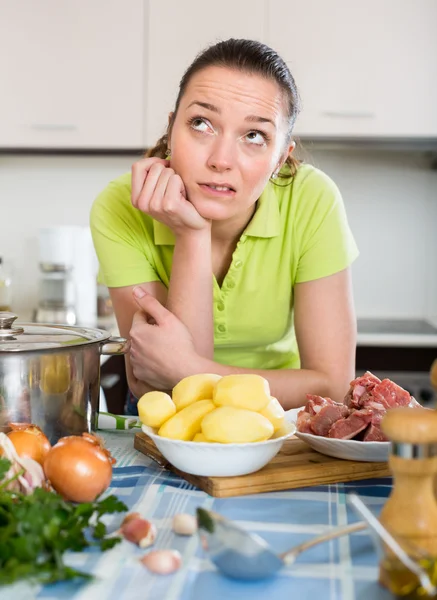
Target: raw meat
(360,389)
(390,395)
(360,416)
(319,414)
(347,428)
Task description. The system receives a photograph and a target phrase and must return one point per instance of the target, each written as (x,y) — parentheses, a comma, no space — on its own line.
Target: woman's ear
(171,116)
(284,156)
(291,148)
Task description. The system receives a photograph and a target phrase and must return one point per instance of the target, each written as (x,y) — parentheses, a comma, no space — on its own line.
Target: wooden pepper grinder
(411,510)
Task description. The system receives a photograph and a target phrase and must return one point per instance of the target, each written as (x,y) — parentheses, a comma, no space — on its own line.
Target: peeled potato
(274,413)
(154,408)
(194,388)
(199,437)
(186,423)
(242,391)
(228,424)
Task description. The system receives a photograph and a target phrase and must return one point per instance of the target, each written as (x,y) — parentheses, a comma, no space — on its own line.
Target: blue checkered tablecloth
(343,569)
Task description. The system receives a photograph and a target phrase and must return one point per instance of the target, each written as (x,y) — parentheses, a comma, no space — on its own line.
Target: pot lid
(16,337)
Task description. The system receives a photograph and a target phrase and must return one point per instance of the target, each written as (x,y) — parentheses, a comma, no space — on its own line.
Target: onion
(29,441)
(79,467)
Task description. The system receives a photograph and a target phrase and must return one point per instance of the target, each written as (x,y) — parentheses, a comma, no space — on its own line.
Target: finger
(147,201)
(150,305)
(156,202)
(139,171)
(174,196)
(139,318)
(178,183)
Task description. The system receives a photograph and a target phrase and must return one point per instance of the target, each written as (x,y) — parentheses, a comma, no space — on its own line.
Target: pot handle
(115,345)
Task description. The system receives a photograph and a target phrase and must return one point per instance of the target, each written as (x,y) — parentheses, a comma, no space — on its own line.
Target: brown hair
(251,57)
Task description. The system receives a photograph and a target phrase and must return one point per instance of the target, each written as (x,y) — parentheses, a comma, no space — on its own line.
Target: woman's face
(227,138)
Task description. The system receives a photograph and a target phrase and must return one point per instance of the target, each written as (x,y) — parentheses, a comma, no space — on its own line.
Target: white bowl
(347,449)
(219,460)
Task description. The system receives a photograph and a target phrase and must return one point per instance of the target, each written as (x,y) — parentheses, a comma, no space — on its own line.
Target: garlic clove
(184,524)
(162,562)
(139,531)
(129,517)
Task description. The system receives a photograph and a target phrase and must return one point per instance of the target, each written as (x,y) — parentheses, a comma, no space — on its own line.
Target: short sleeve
(325,241)
(121,238)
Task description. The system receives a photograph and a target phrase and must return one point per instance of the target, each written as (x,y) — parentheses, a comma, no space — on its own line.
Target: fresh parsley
(36,530)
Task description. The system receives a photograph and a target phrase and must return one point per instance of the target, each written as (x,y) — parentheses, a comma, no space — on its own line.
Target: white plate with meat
(347,449)
(352,429)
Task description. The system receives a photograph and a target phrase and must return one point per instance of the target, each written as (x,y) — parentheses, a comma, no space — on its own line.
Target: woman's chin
(213,212)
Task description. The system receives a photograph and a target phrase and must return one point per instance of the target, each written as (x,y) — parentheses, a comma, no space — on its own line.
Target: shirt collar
(265,223)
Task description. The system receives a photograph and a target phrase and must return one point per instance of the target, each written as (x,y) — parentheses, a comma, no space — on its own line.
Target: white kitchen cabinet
(71,74)
(177,31)
(364,69)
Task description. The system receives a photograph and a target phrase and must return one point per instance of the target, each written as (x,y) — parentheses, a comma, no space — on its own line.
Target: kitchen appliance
(56,295)
(68,271)
(5,287)
(50,375)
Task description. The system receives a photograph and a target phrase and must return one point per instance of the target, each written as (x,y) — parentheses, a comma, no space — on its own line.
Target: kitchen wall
(390,197)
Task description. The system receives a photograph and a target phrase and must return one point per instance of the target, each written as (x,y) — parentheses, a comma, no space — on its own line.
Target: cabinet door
(177,31)
(71,73)
(362,68)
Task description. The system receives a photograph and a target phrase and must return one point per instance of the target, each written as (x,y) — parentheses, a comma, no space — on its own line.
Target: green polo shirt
(299,232)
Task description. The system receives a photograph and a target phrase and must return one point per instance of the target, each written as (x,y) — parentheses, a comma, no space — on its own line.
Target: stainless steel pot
(50,375)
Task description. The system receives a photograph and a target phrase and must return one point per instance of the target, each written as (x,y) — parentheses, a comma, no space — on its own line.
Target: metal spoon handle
(382,532)
(290,556)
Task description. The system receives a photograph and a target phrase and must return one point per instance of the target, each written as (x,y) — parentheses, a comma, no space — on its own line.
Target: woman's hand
(162,350)
(159,192)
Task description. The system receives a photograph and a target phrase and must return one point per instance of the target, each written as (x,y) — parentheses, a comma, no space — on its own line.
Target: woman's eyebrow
(249,118)
(205,105)
(257,119)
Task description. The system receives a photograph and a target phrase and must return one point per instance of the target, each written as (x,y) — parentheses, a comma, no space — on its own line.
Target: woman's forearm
(190,294)
(289,386)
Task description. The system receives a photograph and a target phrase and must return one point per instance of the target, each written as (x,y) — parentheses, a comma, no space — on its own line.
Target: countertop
(343,569)
(420,333)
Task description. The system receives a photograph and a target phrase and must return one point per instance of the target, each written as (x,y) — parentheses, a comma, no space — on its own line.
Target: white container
(70,250)
(5,288)
(219,460)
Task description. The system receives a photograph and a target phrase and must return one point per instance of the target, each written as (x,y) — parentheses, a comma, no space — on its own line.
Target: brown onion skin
(29,441)
(79,468)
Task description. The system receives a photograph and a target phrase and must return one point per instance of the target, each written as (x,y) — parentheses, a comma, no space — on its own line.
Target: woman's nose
(222,155)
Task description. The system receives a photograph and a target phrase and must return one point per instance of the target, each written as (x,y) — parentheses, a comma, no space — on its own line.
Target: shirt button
(238,264)
(221,328)
(231,284)
(220,306)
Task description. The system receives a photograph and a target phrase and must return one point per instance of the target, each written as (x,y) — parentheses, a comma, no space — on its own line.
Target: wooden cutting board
(295,466)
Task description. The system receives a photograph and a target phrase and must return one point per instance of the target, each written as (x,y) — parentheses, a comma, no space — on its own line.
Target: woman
(223,254)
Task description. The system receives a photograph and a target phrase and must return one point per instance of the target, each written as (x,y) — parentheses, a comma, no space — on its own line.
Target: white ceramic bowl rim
(340,442)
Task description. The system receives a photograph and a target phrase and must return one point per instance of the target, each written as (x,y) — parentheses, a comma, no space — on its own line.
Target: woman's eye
(256,137)
(199,124)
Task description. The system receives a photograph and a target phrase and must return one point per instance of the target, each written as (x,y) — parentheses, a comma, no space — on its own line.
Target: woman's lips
(216,190)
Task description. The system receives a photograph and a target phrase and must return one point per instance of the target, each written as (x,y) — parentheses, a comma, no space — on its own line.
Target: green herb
(4,467)
(36,530)
(204,520)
